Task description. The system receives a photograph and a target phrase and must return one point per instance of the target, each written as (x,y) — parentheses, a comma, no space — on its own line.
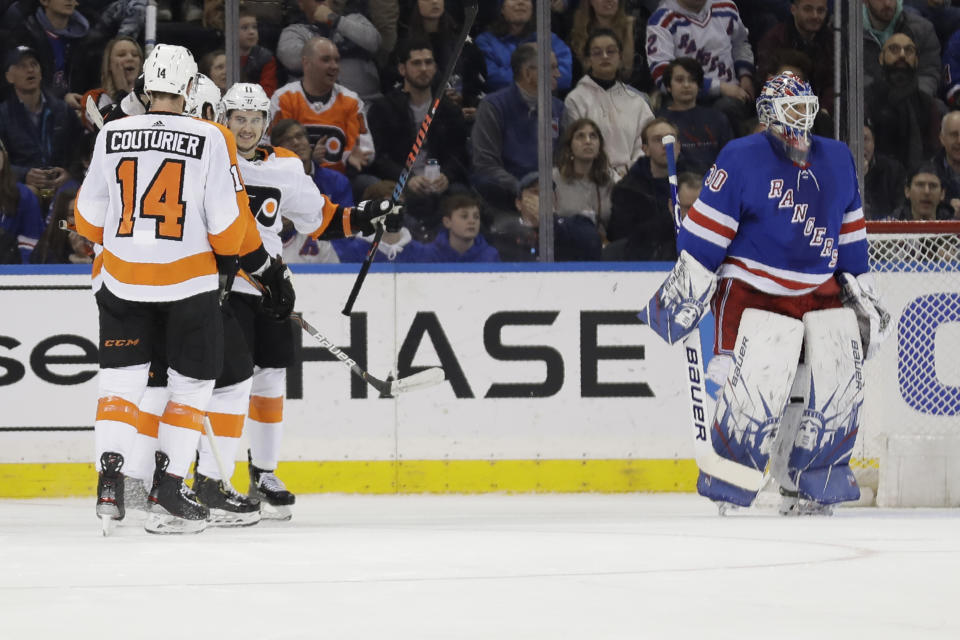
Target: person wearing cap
(56,31)
(517,239)
(38,129)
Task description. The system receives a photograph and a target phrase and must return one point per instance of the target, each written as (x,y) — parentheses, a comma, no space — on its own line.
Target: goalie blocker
(795,421)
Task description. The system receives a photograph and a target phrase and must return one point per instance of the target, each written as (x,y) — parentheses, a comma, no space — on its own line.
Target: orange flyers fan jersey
(341,120)
(278,188)
(162,195)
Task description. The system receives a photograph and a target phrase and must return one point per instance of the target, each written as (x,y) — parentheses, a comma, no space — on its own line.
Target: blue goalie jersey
(782,228)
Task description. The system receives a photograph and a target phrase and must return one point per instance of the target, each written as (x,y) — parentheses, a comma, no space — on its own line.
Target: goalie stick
(701,409)
(420,380)
(469,15)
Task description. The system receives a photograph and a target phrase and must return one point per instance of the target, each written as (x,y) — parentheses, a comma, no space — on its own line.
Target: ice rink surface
(488,566)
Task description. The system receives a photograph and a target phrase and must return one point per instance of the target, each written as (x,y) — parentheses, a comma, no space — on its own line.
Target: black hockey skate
(173,506)
(274,498)
(228,507)
(110,508)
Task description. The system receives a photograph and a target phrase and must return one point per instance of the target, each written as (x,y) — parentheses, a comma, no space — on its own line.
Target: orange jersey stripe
(148,424)
(97,265)
(228,425)
(117,409)
(181,415)
(231,240)
(268,410)
(158,273)
(329,210)
(88,230)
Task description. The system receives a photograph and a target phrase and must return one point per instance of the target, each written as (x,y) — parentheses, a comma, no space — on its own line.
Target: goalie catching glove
(860,294)
(368,214)
(278,295)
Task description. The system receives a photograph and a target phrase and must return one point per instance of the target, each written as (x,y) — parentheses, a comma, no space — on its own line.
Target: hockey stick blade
(93,114)
(420,380)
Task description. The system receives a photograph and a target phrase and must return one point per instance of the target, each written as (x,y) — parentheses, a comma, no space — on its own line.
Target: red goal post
(908,449)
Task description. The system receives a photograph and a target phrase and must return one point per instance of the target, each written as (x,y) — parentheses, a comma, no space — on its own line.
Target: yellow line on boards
(30,480)
(65,479)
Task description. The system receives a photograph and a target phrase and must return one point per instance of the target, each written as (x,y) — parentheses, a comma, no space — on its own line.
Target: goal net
(908,451)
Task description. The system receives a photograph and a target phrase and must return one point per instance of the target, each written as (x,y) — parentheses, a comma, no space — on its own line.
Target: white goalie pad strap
(861,294)
(681,301)
(748,411)
(834,397)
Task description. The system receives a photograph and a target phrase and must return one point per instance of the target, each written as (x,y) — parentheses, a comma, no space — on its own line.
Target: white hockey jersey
(278,188)
(715,36)
(162,195)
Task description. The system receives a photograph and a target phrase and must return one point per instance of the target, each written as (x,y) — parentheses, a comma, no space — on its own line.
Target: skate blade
(280,512)
(107,524)
(222,518)
(161,521)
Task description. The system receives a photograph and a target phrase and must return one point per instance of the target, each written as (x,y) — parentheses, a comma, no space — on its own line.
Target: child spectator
(620,111)
(257,64)
(703,130)
(582,177)
(460,239)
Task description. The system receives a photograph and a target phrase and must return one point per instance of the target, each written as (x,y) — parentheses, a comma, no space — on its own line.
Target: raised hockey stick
(701,410)
(469,15)
(420,380)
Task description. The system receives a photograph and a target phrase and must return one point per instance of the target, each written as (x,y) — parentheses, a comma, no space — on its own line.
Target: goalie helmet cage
(908,449)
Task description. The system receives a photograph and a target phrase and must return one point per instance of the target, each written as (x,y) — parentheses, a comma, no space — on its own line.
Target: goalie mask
(787,107)
(169,69)
(205,94)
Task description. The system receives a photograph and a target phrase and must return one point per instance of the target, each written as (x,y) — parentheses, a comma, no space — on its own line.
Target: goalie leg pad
(748,410)
(820,460)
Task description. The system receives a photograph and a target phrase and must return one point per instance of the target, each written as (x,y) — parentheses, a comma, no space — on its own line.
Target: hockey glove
(860,294)
(677,307)
(278,295)
(368,214)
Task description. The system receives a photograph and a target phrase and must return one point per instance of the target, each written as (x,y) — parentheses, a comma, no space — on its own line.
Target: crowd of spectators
(351,80)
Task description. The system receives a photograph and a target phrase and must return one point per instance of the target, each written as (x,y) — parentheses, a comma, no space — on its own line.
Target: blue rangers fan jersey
(781,228)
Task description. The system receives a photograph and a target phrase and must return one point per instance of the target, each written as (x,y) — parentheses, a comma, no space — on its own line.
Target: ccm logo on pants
(121,343)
